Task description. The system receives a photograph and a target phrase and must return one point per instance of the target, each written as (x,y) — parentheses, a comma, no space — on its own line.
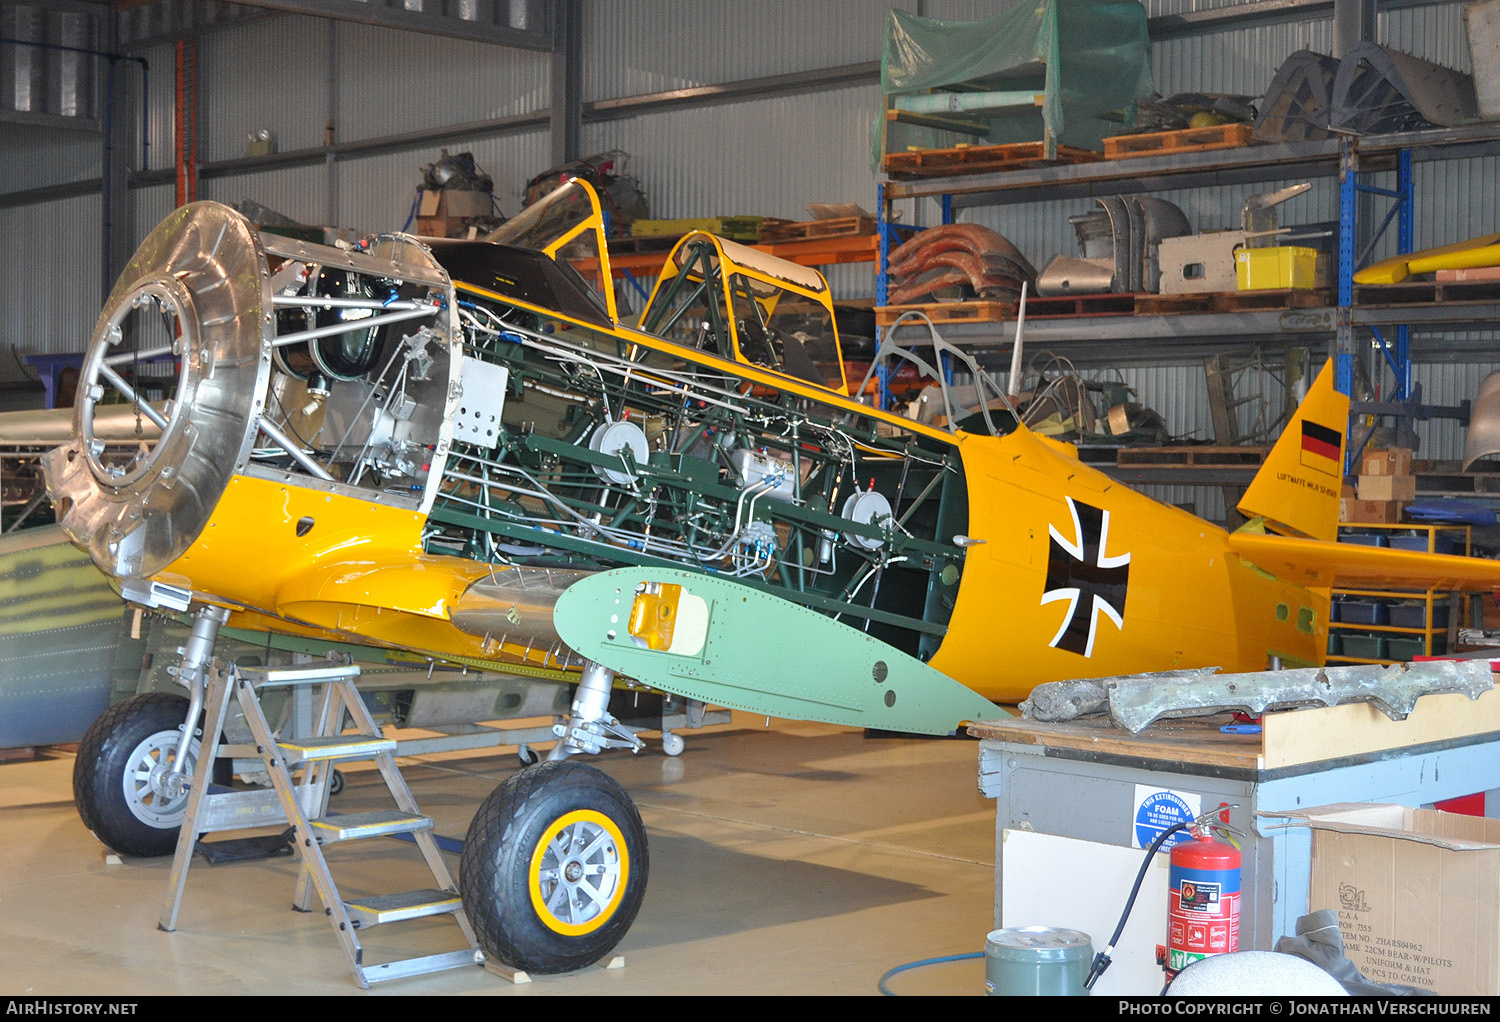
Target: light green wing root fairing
(720,642)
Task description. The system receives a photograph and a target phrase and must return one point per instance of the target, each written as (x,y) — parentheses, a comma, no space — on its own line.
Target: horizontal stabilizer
(1350,565)
(711,639)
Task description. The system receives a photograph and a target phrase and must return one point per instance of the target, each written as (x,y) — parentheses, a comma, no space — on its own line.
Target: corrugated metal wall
(52,278)
(649,46)
(771,155)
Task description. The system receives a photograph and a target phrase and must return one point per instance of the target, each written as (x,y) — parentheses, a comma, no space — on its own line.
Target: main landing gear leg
(130,776)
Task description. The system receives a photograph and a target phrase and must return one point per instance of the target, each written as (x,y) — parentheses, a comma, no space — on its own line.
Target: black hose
(1102,959)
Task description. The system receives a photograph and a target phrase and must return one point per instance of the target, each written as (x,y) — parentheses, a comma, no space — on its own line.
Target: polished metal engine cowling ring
(205,271)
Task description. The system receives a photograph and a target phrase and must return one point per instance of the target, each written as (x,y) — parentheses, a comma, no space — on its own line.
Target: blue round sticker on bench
(1156,813)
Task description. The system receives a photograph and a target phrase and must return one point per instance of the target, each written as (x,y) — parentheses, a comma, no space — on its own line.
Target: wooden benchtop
(1290,738)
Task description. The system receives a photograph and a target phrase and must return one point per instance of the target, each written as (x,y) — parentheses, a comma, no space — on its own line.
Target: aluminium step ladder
(303,803)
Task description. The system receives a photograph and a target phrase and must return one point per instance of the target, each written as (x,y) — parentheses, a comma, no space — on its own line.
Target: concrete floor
(799,859)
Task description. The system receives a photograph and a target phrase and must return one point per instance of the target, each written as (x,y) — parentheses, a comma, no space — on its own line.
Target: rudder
(1297,489)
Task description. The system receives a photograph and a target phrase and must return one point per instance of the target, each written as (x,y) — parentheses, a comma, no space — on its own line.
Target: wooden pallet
(1233,301)
(1056,306)
(1192,456)
(949,312)
(836,227)
(981,159)
(1420,292)
(1187,140)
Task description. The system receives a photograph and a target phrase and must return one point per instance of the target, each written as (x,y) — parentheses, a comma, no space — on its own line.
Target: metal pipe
(349,326)
(118,382)
(294,451)
(329,302)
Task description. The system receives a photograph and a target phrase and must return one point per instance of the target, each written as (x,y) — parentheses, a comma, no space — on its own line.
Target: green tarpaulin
(1088,60)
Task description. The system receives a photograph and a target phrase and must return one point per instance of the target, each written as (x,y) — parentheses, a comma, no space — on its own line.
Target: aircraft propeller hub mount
(188,315)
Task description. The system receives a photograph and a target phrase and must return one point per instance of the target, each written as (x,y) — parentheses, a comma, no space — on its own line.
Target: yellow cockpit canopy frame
(748,306)
(566,225)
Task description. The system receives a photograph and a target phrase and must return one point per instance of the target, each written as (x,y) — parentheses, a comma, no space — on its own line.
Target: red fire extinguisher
(1203,901)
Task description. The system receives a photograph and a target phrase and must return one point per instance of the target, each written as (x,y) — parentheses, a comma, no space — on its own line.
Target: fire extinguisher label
(1198,896)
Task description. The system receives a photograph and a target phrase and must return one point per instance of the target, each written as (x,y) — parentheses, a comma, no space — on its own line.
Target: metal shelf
(1184,335)
(1181,337)
(1192,170)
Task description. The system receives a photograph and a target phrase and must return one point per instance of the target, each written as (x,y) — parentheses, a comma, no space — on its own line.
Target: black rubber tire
(504,862)
(112,748)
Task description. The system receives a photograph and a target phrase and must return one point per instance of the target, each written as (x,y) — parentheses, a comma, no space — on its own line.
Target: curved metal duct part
(1065,275)
(1379,90)
(196,294)
(1159,219)
(1483,437)
(1298,100)
(1119,225)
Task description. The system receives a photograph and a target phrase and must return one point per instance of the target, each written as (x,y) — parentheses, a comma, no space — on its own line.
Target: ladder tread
(354,826)
(421,966)
(336,747)
(373,910)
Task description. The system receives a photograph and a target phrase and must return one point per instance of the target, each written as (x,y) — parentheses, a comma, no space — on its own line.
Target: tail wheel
(120,760)
(554,868)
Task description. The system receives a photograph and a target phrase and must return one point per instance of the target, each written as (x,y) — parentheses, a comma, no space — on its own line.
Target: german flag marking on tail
(1321,447)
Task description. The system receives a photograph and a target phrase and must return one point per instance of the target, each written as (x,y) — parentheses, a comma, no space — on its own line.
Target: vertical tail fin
(1297,490)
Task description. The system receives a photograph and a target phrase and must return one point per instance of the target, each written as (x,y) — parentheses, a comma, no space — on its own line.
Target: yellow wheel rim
(579,873)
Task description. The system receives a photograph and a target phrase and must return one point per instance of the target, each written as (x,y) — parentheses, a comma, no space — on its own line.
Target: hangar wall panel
(149,206)
(271,73)
(767,157)
(159,103)
(1434,32)
(1238,61)
(36,157)
(648,46)
(53,283)
(390,82)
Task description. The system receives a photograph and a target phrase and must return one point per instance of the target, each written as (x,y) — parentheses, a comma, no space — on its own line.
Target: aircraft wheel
(554,868)
(121,751)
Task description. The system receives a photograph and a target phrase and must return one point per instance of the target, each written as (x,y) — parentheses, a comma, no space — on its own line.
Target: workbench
(1084,780)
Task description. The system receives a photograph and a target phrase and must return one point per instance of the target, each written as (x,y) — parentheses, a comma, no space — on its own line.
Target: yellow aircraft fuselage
(1040,598)
(1181,596)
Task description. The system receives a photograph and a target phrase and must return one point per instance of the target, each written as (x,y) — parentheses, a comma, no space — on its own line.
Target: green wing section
(709,638)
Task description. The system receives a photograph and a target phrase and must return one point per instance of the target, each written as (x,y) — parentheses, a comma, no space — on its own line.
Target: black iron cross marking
(1077,571)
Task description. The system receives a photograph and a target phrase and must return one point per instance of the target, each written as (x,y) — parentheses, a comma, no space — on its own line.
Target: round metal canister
(1036,961)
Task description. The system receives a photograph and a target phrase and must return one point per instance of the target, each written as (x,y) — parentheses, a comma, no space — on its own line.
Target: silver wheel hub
(155,796)
(580,873)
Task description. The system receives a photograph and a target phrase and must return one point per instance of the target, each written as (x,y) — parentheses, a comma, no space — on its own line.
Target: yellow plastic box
(1259,269)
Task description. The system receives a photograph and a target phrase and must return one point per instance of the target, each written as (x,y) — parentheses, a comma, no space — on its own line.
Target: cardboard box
(1370,512)
(1417,893)
(454,203)
(445,227)
(1390,461)
(1388,488)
